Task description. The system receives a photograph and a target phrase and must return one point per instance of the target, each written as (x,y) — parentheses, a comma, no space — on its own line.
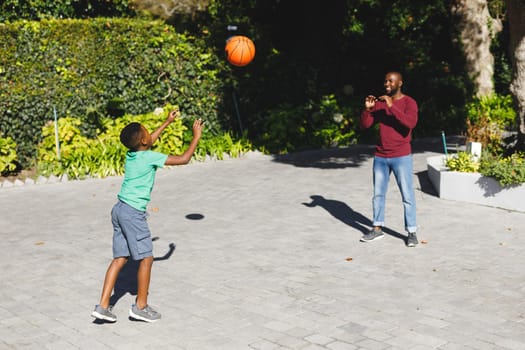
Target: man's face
(392,84)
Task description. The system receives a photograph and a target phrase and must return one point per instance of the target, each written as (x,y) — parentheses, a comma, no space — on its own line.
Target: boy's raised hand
(173,115)
(198,125)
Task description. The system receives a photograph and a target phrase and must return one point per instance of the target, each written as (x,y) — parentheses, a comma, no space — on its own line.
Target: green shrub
(496,108)
(322,124)
(487,118)
(103,68)
(463,162)
(507,170)
(12,10)
(7,155)
(104,155)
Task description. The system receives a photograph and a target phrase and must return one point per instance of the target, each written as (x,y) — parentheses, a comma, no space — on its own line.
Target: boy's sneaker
(372,235)
(412,239)
(104,314)
(147,314)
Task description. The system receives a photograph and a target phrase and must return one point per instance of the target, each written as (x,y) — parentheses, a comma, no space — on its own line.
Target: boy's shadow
(347,215)
(127,278)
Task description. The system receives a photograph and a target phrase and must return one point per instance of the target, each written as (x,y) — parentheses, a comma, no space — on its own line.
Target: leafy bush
(507,170)
(7,155)
(463,162)
(99,68)
(79,156)
(12,10)
(104,155)
(487,118)
(496,108)
(323,124)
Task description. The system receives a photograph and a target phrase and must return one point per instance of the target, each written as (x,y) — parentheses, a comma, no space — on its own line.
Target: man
(396,114)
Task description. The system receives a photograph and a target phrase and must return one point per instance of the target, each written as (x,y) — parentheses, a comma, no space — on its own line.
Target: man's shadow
(347,215)
(127,278)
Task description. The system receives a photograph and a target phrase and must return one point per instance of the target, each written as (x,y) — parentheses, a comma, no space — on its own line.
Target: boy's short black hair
(130,136)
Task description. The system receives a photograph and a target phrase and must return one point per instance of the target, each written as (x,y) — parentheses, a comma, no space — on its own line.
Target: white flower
(338,117)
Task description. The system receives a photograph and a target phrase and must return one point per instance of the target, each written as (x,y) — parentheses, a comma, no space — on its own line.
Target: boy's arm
(171,117)
(186,156)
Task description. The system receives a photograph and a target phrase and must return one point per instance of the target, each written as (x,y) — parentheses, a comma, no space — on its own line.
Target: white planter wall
(473,187)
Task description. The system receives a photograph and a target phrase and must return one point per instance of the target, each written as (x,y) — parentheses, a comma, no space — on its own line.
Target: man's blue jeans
(402,169)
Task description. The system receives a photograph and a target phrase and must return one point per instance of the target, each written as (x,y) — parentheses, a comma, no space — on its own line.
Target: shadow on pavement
(344,213)
(353,156)
(332,158)
(425,185)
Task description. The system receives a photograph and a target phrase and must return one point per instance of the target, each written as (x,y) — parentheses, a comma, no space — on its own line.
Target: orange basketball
(240,50)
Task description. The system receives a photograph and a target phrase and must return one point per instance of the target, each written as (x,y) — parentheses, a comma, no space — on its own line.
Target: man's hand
(387,99)
(370,102)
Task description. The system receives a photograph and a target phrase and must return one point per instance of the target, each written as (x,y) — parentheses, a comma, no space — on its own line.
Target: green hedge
(101,67)
(12,10)
(104,155)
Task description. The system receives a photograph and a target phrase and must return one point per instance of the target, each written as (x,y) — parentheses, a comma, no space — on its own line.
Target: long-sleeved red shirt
(395,126)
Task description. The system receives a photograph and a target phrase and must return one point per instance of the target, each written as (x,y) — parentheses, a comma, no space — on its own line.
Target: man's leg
(403,171)
(381,173)
(404,174)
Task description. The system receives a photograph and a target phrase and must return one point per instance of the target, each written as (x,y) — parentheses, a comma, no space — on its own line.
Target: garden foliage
(100,67)
(509,170)
(14,10)
(8,155)
(488,118)
(104,155)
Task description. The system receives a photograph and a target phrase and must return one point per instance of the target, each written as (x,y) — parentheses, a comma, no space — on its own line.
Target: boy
(131,235)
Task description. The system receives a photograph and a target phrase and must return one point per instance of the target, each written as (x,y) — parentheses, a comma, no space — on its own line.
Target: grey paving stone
(256,265)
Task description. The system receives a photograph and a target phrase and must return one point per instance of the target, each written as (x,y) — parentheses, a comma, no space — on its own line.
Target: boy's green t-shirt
(139,177)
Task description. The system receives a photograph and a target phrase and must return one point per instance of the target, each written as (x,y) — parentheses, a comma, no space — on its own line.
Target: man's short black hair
(131,135)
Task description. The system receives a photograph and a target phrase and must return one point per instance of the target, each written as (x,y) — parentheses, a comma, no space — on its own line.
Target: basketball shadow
(344,213)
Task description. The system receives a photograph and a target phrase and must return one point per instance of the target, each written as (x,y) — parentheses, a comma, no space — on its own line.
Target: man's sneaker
(104,314)
(147,314)
(412,239)
(372,235)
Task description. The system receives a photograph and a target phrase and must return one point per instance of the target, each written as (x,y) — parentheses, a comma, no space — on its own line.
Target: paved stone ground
(264,253)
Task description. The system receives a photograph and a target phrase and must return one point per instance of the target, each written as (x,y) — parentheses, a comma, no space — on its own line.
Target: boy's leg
(141,310)
(143,280)
(103,310)
(111,278)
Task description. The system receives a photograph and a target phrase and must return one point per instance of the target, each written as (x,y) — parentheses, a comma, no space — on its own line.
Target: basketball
(240,50)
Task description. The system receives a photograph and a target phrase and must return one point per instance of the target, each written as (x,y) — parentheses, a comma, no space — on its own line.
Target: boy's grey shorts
(131,234)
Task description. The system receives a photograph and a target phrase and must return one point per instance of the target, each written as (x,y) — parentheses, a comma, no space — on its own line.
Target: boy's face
(146,139)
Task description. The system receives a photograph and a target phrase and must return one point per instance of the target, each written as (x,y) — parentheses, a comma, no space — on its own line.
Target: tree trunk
(516,18)
(477,28)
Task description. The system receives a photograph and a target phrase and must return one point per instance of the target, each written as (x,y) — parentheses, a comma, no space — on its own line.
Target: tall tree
(477,29)
(516,17)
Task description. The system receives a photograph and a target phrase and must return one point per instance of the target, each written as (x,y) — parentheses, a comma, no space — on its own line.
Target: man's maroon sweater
(395,126)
